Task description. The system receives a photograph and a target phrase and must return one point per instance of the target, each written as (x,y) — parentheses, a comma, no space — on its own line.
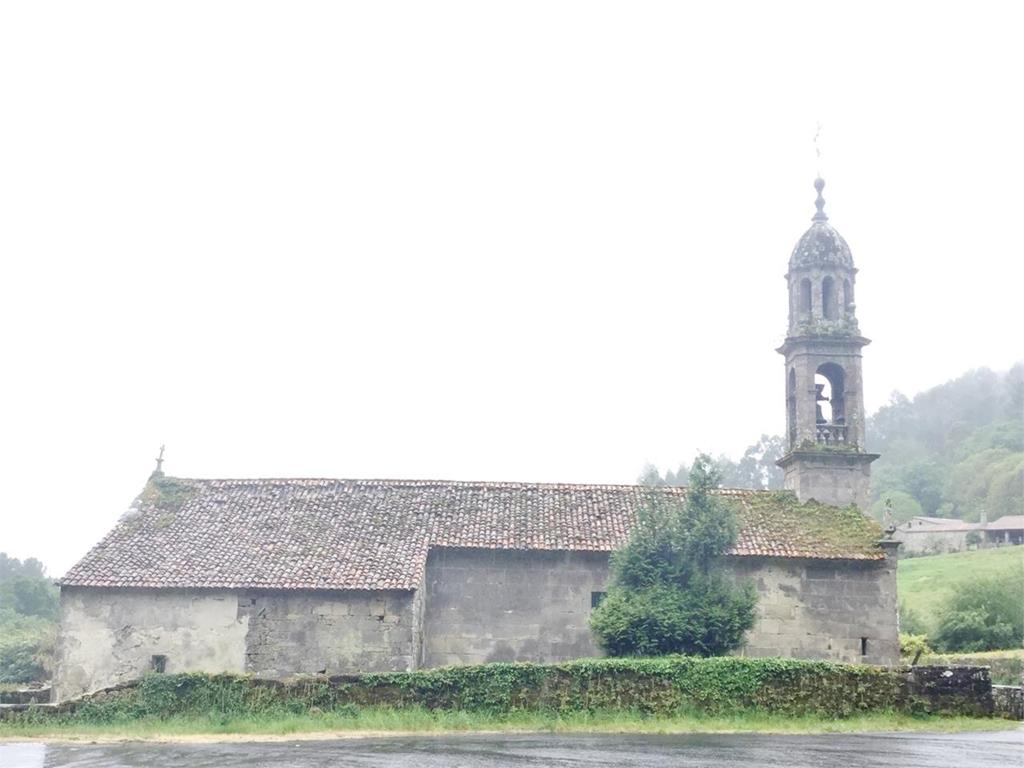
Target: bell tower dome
(825,458)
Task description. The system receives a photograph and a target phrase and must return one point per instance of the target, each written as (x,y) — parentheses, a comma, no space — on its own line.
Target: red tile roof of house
(375,534)
(1007,523)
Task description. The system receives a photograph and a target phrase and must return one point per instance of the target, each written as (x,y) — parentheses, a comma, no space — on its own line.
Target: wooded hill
(956,450)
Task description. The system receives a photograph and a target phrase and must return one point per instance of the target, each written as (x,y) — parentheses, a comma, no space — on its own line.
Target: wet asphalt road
(977,750)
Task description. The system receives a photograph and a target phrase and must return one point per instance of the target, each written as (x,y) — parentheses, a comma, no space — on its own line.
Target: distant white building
(936,535)
(933,535)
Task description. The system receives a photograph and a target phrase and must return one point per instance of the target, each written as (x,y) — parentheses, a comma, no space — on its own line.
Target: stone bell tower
(825,457)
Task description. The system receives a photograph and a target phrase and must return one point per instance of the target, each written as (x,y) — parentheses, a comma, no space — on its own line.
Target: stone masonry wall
(826,610)
(475,606)
(499,605)
(290,633)
(111,636)
(838,478)
(922,541)
(486,605)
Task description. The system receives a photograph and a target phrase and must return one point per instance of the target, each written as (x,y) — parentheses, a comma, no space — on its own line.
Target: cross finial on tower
(160,461)
(819,184)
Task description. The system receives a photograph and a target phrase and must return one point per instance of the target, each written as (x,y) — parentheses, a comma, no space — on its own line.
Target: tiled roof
(375,534)
(926,525)
(1007,523)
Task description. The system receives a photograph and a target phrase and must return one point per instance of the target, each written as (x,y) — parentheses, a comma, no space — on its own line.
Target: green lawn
(414,720)
(926,582)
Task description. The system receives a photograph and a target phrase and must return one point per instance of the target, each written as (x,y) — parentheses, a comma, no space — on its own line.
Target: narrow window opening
(828,298)
(848,297)
(791,406)
(805,296)
(596,598)
(158,663)
(863,646)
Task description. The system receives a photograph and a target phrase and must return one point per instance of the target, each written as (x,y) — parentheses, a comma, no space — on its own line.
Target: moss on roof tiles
(168,493)
(820,530)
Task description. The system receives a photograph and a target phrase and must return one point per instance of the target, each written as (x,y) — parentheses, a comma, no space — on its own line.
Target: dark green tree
(12,567)
(30,597)
(755,470)
(985,614)
(669,592)
(650,477)
(24,588)
(28,609)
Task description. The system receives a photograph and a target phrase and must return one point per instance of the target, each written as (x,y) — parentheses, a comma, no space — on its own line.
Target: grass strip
(414,720)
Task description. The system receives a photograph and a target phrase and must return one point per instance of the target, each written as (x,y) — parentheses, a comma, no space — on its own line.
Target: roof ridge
(458,483)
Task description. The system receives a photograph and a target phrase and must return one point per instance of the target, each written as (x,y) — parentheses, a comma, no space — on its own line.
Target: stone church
(290,577)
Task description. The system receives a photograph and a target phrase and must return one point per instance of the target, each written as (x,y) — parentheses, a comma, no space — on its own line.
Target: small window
(596,598)
(158,664)
(863,646)
(828,298)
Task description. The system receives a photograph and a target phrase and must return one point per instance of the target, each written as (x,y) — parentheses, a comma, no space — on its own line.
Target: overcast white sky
(517,241)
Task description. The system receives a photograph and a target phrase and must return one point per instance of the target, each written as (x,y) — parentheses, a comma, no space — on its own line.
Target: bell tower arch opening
(830,396)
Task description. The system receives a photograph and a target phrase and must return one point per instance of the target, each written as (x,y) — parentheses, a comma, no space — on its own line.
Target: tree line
(756,468)
(28,620)
(955,450)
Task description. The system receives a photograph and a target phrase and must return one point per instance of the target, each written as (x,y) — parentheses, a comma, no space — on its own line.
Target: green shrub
(663,686)
(710,617)
(30,596)
(668,592)
(984,614)
(911,645)
(911,622)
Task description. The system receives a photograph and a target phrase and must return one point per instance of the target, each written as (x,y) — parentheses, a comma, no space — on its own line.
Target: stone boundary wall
(38,695)
(1008,701)
(656,686)
(949,690)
